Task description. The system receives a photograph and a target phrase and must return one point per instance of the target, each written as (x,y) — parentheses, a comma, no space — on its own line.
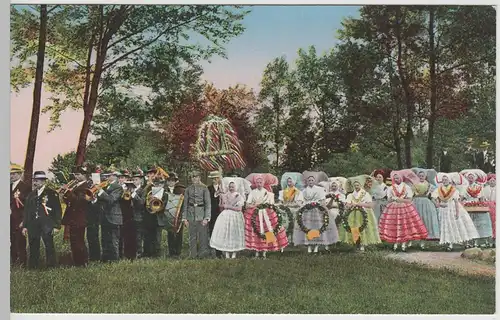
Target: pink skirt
(493,212)
(253,240)
(400,222)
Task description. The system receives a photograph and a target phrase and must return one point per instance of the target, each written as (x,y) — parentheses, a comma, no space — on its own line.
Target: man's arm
(114,195)
(56,210)
(184,205)
(208,204)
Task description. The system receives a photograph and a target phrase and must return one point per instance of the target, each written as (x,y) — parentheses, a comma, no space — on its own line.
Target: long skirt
(254,241)
(379,207)
(313,219)
(429,214)
(355,219)
(455,230)
(493,212)
(482,222)
(229,232)
(401,223)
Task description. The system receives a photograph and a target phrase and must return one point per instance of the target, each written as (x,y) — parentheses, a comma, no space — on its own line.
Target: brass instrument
(63,191)
(127,195)
(96,188)
(153,205)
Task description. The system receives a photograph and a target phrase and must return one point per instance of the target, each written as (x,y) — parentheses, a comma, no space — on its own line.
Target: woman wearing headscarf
(400,221)
(266,220)
(313,219)
(422,190)
(228,235)
(490,195)
(474,193)
(291,196)
(341,183)
(379,192)
(359,198)
(333,194)
(456,226)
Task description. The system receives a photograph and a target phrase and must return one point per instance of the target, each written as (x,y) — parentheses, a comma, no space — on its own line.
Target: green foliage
(62,166)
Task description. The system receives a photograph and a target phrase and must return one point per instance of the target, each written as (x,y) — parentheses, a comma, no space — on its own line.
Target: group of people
(260,213)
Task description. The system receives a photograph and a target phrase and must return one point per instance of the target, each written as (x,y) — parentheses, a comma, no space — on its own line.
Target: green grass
(293,282)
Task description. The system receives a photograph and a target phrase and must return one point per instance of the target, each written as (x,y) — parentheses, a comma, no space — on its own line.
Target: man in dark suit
(42,218)
(139,210)
(215,190)
(445,161)
(127,231)
(154,220)
(174,225)
(19,190)
(112,218)
(75,216)
(95,212)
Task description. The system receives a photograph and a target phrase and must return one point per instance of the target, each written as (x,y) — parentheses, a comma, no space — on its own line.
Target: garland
(474,191)
(265,206)
(326,219)
(345,222)
(446,195)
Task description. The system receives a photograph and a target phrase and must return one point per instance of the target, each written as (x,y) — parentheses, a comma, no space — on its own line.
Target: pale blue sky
(271,31)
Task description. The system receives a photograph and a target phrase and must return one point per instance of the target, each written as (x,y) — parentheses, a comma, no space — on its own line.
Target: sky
(271,31)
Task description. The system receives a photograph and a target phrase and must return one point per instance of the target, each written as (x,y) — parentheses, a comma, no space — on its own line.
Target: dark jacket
(34,210)
(214,206)
(75,214)
(111,199)
(138,204)
(17,209)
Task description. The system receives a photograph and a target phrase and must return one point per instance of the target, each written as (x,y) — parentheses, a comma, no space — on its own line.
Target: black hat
(39,175)
(138,174)
(172,176)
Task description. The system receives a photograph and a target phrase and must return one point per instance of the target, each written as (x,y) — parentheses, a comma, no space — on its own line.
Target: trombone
(63,190)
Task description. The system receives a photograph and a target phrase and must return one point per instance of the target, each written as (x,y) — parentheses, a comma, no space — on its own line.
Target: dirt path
(446,260)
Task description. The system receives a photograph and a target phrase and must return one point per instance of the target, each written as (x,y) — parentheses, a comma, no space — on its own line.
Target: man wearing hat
(127,234)
(175,196)
(196,212)
(139,210)
(95,211)
(77,203)
(154,221)
(19,190)
(42,218)
(112,218)
(215,190)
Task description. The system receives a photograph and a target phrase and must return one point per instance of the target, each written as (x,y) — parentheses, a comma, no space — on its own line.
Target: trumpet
(127,195)
(96,188)
(67,188)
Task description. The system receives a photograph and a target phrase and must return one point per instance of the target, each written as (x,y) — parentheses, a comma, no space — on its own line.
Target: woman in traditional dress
(228,235)
(313,219)
(341,182)
(490,195)
(332,189)
(262,239)
(474,193)
(359,198)
(456,225)
(379,192)
(291,197)
(400,221)
(427,210)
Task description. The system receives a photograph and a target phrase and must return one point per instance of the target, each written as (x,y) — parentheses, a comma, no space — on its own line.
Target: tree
(96,43)
(274,98)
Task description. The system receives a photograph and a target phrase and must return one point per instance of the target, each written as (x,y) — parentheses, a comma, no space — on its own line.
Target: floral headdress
(406,175)
(296,177)
(479,175)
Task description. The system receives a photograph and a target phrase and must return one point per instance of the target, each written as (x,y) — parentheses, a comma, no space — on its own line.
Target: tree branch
(65,56)
(128,36)
(149,42)
(53,8)
(461,65)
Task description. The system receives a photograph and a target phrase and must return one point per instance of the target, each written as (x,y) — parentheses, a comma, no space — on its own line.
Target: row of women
(396,207)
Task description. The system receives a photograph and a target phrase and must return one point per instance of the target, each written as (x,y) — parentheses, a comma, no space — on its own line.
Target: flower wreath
(311,234)
(289,214)
(341,207)
(265,206)
(345,216)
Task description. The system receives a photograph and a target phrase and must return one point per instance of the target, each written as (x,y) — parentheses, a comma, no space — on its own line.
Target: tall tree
(96,42)
(274,98)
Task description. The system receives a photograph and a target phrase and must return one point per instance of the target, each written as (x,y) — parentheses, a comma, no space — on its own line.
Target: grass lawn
(292,282)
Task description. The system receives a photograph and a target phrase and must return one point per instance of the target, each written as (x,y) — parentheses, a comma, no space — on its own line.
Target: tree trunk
(277,108)
(37,97)
(433,99)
